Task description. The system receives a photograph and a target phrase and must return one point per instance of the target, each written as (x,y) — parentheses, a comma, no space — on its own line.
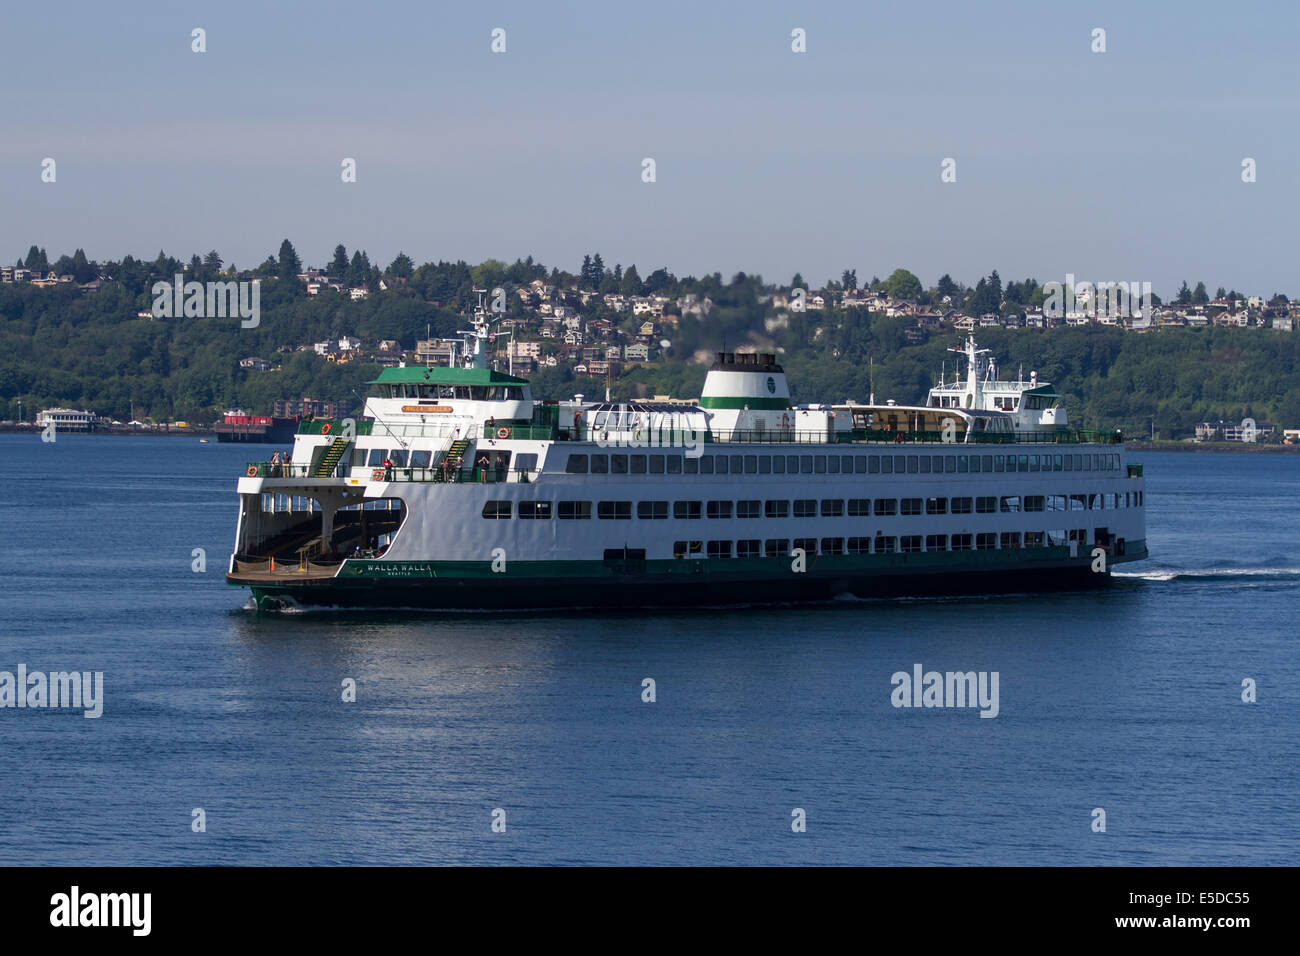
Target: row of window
(477,393)
(716,464)
(825,507)
(879,544)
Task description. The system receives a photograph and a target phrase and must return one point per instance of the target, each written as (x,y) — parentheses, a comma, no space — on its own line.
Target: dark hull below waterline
(654,591)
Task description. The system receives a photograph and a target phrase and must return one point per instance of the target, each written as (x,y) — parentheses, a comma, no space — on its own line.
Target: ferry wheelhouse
(457,489)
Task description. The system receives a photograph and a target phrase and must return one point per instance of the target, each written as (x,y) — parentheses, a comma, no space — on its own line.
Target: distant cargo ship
(458,490)
(237,426)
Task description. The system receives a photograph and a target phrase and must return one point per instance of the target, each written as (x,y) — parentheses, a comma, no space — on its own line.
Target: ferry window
(1078,463)
(900,464)
(910,544)
(778,464)
(999,463)
(651,510)
(376,457)
(832,508)
(534,509)
(636,464)
(599,421)
(777,509)
(576,465)
(1010,539)
(911,506)
(614,510)
(1057,503)
(656,463)
(706,465)
(398,457)
(936,506)
(928,460)
(886,544)
(792,464)
(886,464)
(859,507)
(1069,462)
(873,465)
(961,542)
(988,462)
(690,465)
(832,464)
(496,509)
(674,463)
(737,464)
(950,463)
(751,464)
(983,505)
(776,547)
(859,545)
(913,464)
(575,509)
(719,549)
(1034,503)
(683,549)
(1033,539)
(618,464)
(1056,463)
(1010,503)
(764,464)
(687,509)
(805,507)
(1033,462)
(807,545)
(420,459)
(846,464)
(963,465)
(886,506)
(832,545)
(462,391)
(747,509)
(1093,503)
(1126,500)
(819,464)
(986,541)
(806,465)
(600,464)
(719,509)
(936,542)
(721,461)
(748,548)
(1078,503)
(974,463)
(1022,463)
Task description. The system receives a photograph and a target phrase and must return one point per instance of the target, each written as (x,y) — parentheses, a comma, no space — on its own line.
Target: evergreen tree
(631,284)
(597,271)
(212,261)
(1184,294)
(584,274)
(290,265)
(850,280)
(401,267)
(946,286)
(797,282)
(339,265)
(1199,295)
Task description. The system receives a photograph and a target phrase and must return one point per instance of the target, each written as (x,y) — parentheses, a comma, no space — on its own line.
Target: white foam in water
(1209,574)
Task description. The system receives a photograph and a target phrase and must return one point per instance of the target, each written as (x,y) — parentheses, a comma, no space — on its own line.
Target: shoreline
(1213,447)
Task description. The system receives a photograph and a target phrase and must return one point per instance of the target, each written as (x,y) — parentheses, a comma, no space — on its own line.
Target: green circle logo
(771,384)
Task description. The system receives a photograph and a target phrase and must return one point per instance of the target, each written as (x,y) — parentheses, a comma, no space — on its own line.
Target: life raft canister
(252,471)
(503,433)
(325,429)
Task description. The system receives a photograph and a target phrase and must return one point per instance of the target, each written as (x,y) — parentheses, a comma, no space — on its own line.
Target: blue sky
(1123,165)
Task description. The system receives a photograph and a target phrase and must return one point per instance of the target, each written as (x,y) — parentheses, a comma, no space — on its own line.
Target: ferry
(456,489)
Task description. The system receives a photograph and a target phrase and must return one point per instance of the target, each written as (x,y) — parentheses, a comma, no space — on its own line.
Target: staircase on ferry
(331,458)
(454,457)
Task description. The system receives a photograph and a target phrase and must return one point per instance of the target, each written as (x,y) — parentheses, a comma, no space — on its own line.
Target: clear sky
(1122,165)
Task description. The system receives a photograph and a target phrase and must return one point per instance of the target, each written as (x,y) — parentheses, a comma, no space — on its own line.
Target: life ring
(503,433)
(252,471)
(377,475)
(325,429)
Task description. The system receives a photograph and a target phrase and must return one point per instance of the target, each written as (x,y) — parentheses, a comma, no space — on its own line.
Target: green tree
(339,264)
(901,284)
(289,263)
(631,284)
(401,267)
(1199,295)
(850,280)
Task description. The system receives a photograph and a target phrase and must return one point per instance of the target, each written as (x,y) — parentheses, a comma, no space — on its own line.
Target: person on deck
(388,469)
(482,464)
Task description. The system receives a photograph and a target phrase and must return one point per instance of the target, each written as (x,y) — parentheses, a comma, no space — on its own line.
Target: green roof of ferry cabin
(439,375)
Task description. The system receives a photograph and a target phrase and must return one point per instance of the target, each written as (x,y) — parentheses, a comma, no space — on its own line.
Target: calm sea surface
(1127,700)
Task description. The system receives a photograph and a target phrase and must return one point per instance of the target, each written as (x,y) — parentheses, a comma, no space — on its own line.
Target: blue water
(1128,700)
